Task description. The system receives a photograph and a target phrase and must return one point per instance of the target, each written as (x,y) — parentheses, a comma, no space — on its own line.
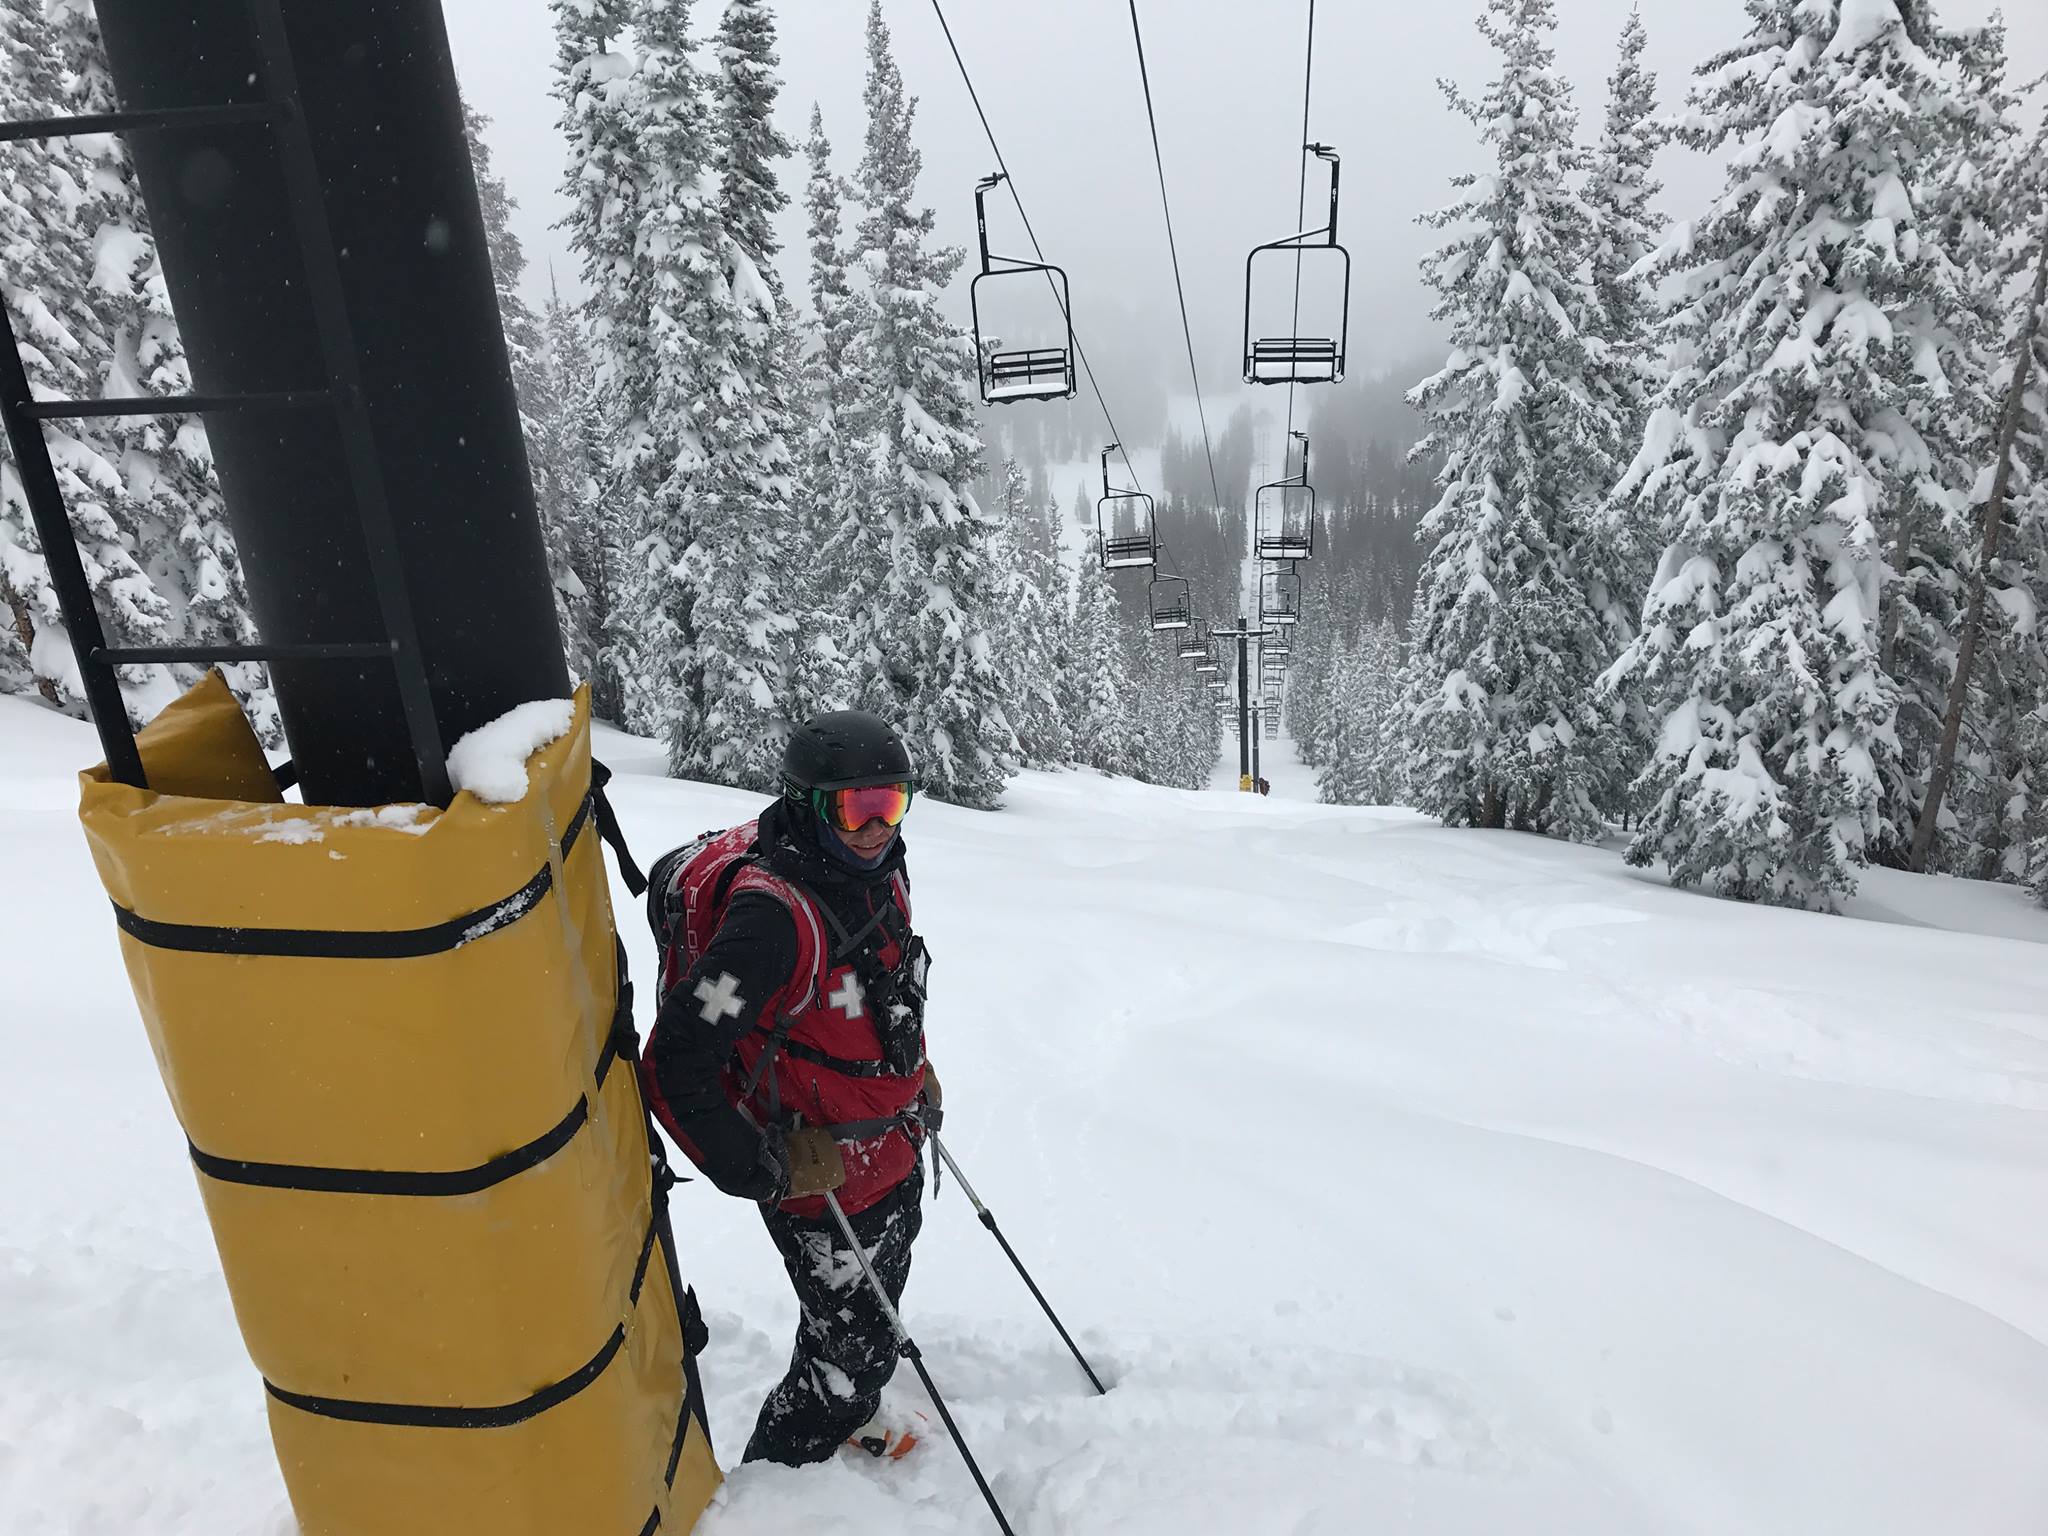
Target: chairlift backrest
(1284,514)
(1011,374)
(1194,640)
(1171,602)
(1280,596)
(1125,549)
(1295,358)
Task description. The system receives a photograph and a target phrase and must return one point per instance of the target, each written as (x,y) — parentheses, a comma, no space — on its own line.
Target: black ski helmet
(846,749)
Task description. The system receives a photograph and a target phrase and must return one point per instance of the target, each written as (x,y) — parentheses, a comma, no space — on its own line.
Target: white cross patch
(849,999)
(721,1001)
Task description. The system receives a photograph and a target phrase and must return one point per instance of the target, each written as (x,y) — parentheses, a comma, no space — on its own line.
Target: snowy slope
(1403,1180)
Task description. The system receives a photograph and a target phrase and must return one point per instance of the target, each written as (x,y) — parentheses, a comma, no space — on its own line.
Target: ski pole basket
(1294,358)
(1018,373)
(1123,518)
(339,392)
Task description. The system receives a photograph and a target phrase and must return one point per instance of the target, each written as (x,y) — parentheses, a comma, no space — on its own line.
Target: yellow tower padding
(399,1042)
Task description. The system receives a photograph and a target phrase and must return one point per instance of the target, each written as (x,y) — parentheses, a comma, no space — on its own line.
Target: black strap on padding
(435,1416)
(460,1181)
(608,828)
(374,1181)
(354,944)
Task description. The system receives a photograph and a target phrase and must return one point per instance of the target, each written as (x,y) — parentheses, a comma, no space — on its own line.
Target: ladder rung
(138,655)
(176,405)
(138,122)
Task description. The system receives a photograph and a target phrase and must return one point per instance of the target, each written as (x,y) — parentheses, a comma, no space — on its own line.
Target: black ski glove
(741,1161)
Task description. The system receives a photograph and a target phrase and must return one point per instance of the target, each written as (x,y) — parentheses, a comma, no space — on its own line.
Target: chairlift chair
(1125,551)
(1172,603)
(1194,640)
(1284,514)
(1280,596)
(1299,359)
(1018,373)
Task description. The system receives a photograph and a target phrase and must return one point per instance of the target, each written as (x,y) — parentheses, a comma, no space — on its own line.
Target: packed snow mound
(490,762)
(1398,1180)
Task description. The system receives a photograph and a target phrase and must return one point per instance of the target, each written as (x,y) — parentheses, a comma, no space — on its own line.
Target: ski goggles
(851,809)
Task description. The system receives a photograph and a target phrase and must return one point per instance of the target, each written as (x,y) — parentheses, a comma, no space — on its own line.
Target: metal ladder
(280,111)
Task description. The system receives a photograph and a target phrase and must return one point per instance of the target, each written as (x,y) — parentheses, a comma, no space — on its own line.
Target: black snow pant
(845,1349)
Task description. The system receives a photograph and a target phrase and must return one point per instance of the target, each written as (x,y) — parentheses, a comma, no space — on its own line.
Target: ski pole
(988,1220)
(907,1348)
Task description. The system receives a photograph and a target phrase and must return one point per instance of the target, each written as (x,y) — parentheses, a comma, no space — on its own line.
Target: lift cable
(1016,197)
(1187,334)
(1308,70)
(1165,552)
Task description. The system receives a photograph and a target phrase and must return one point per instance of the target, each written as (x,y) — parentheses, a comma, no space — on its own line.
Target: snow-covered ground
(1401,1180)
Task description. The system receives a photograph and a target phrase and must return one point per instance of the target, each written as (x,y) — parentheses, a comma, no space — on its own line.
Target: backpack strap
(750,872)
(608,828)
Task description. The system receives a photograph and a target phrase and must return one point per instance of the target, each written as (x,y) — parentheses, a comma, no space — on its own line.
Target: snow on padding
(392,1050)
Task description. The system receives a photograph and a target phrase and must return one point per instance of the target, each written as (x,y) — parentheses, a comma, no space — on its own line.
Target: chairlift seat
(1284,546)
(1294,360)
(1034,373)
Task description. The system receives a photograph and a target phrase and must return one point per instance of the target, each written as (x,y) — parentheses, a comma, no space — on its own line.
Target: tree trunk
(1994,518)
(26,631)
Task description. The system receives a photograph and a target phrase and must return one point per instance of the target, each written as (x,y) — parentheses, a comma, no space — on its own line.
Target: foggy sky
(1059,81)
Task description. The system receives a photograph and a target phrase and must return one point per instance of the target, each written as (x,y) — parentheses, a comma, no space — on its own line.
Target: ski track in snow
(1398,1179)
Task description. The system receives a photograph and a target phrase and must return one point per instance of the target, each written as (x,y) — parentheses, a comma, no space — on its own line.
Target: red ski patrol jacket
(792,993)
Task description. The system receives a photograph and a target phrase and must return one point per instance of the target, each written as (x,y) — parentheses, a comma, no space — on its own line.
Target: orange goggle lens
(851,809)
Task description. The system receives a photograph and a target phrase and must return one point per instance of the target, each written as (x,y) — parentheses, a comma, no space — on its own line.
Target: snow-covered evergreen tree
(1031,642)
(544,422)
(577,449)
(1095,696)
(1345,772)
(750,192)
(81,282)
(34,234)
(722,497)
(750,624)
(1312,700)
(1516,606)
(684,326)
(1984,199)
(1621,190)
(605,182)
(1812,398)
(937,677)
(835,491)
(1365,758)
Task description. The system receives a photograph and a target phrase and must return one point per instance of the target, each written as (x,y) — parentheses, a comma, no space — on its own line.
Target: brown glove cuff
(815,1165)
